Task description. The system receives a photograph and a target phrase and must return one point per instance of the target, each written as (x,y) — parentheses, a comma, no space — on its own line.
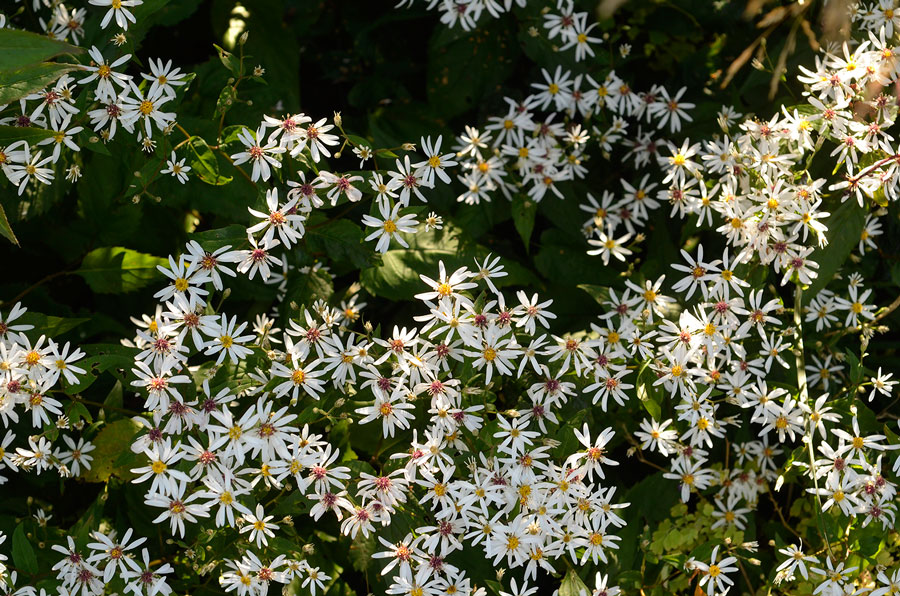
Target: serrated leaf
(398,275)
(204,163)
(113,441)
(340,240)
(5,229)
(119,270)
(361,550)
(16,84)
(572,585)
(21,48)
(22,553)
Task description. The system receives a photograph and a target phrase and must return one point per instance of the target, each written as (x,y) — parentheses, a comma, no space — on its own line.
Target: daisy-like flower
(314,580)
(260,527)
(714,577)
(656,435)
(114,553)
(409,181)
(160,468)
(62,363)
(315,137)
(435,163)
(30,167)
(393,410)
(499,351)
(139,105)
(186,278)
(178,509)
(796,561)
(229,341)
(835,578)
(882,384)
(164,77)
(262,156)
(118,9)
(76,455)
(608,246)
(284,220)
(176,168)
(389,227)
(489,270)
(446,286)
(593,457)
(105,75)
(145,581)
(256,259)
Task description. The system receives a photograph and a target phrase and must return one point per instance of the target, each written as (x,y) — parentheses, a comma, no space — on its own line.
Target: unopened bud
(243,38)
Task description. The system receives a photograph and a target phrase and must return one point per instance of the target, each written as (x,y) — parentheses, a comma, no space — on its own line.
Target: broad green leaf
(11,134)
(305,287)
(111,443)
(16,84)
(572,585)
(101,358)
(598,293)
(204,163)
(234,235)
(119,270)
(21,48)
(22,553)
(361,550)
(340,240)
(49,325)
(524,211)
(398,276)
(5,229)
(845,225)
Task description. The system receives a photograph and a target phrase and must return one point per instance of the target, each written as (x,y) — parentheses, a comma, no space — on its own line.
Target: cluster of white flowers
(701,352)
(30,371)
(116,102)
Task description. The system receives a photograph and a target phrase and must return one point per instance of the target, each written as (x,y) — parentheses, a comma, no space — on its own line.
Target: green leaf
(16,84)
(650,396)
(22,553)
(119,270)
(229,60)
(21,48)
(398,276)
(11,134)
(572,585)
(340,240)
(204,163)
(845,226)
(598,293)
(113,441)
(361,550)
(234,235)
(524,211)
(306,287)
(5,229)
(49,325)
